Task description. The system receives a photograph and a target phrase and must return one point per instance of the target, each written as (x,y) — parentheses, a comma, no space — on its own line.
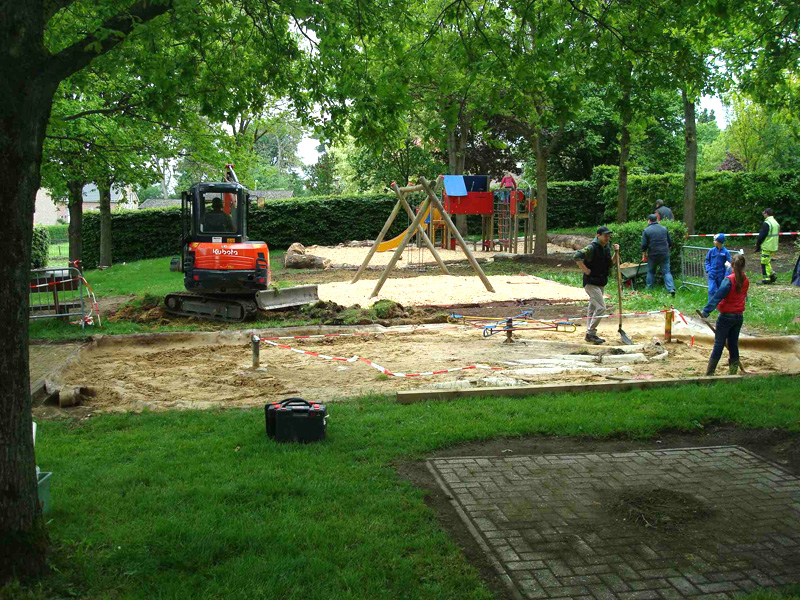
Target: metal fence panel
(57,292)
(693,266)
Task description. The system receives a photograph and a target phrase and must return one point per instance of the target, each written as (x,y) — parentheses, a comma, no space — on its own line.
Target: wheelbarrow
(631,274)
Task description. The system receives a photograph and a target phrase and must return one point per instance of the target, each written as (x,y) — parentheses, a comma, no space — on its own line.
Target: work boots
(733,368)
(712,366)
(593,338)
(773,278)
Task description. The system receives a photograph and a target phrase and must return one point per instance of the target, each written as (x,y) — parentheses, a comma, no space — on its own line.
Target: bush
(573,204)
(629,237)
(728,202)
(58,233)
(40,247)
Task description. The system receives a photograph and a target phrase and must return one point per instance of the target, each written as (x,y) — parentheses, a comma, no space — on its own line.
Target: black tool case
(296,420)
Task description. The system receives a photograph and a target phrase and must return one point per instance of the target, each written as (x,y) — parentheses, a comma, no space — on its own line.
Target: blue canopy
(454,185)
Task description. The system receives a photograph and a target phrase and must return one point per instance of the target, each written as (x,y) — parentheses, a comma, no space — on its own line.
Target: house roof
(272,194)
(160,203)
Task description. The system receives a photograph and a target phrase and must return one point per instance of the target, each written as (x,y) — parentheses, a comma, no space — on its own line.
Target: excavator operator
(217,220)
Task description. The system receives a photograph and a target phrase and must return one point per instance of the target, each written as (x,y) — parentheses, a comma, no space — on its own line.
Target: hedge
(152,233)
(727,202)
(629,237)
(40,247)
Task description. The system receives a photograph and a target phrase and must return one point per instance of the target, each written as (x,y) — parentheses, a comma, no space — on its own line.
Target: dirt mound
(659,508)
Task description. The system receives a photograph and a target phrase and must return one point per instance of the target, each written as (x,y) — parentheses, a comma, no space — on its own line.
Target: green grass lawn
(201,505)
(771,309)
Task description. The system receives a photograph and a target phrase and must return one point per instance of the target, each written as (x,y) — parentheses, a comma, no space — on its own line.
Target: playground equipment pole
(399,251)
(432,200)
(378,240)
(424,236)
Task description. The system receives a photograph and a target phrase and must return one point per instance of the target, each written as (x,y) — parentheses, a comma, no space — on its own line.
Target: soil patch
(658,508)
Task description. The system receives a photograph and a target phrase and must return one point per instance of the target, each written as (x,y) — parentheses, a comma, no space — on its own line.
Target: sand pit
(437,290)
(353,257)
(197,372)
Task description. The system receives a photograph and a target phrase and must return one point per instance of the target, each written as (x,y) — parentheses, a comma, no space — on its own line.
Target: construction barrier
(57,293)
(693,266)
(711,235)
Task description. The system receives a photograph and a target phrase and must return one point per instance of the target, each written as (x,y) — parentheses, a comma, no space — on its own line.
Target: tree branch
(51,7)
(75,57)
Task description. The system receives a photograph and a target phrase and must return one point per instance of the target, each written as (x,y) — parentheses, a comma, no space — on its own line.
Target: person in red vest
(730,300)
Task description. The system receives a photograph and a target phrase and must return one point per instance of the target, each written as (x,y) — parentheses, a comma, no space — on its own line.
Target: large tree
(44,42)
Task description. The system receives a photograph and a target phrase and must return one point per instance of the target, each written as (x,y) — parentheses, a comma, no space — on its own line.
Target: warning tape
(743,234)
(375,365)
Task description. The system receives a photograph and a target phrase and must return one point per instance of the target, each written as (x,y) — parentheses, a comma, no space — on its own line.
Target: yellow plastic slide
(395,241)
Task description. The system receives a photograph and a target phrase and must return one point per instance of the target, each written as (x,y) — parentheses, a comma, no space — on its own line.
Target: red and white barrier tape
(355,334)
(374,365)
(742,234)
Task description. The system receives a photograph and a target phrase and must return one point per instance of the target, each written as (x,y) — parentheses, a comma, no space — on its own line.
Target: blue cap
(720,237)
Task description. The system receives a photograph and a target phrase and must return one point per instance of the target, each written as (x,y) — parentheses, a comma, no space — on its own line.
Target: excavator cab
(226,274)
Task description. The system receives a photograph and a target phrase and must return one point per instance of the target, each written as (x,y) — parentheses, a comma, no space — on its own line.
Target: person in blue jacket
(718,260)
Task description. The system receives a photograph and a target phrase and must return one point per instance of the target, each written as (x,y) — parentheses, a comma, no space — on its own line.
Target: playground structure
(501,211)
(416,228)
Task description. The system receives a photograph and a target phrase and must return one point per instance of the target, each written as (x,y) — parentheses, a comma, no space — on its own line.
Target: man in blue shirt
(655,250)
(718,261)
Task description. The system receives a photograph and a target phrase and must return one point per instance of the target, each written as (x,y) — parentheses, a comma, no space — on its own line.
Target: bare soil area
(188,372)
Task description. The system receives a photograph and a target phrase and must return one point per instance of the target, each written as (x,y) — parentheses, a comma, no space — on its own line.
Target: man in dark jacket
(663,213)
(655,250)
(595,261)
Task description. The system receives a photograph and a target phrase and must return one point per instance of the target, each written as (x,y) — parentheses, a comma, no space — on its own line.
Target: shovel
(714,329)
(623,336)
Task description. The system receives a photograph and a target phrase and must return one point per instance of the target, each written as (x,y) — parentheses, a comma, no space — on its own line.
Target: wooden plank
(422,233)
(377,243)
(410,397)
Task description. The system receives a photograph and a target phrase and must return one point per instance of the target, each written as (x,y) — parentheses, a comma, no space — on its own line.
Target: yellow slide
(395,242)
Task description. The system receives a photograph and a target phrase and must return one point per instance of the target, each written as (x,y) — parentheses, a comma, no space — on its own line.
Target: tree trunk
(456,158)
(75,205)
(105,224)
(690,168)
(540,248)
(624,148)
(23,119)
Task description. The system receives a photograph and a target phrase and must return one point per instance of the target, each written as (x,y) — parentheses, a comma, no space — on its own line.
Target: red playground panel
(474,203)
(518,199)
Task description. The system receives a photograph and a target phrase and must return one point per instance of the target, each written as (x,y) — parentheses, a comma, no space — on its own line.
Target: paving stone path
(549,526)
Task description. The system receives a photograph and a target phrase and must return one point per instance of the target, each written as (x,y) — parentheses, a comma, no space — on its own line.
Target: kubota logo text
(225,252)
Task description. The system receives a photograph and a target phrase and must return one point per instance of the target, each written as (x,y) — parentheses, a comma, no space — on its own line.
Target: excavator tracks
(220,308)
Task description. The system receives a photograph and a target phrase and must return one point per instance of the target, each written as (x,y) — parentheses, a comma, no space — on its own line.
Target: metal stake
(256,344)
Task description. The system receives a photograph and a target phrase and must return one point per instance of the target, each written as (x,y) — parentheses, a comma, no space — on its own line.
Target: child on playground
(730,299)
(717,262)
(507,184)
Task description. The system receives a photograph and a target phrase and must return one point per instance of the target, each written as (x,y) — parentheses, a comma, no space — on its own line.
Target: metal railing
(57,292)
(693,266)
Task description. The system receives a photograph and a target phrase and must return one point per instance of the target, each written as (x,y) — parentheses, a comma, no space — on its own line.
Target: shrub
(726,201)
(58,233)
(629,237)
(40,247)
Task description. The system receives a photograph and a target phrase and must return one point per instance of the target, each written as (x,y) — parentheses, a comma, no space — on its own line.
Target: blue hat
(720,237)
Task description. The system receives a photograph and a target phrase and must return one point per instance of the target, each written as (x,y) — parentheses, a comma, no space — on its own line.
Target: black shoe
(672,293)
(766,281)
(773,278)
(594,339)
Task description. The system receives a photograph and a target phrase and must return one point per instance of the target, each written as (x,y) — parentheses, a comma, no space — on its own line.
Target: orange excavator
(226,275)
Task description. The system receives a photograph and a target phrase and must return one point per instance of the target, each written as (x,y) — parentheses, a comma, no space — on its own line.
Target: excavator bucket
(300,295)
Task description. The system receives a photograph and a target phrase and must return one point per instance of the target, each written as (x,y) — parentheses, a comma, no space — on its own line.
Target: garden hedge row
(629,237)
(730,202)
(152,233)
(40,247)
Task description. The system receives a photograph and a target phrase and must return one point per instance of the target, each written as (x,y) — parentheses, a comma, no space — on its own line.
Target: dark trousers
(728,327)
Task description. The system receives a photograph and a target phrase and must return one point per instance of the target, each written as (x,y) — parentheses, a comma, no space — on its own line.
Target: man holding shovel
(595,261)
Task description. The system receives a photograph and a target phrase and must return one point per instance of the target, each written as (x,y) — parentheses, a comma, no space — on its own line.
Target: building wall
(47,212)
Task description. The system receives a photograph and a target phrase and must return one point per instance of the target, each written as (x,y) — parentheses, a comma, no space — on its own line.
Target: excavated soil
(187,372)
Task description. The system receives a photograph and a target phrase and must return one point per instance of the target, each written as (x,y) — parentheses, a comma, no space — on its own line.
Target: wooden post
(434,202)
(426,240)
(668,316)
(378,240)
(399,251)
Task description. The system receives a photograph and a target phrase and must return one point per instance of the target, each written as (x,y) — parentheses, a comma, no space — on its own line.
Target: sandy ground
(341,255)
(190,373)
(436,290)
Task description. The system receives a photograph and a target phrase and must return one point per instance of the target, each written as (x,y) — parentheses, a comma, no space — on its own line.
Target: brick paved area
(44,358)
(547,524)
